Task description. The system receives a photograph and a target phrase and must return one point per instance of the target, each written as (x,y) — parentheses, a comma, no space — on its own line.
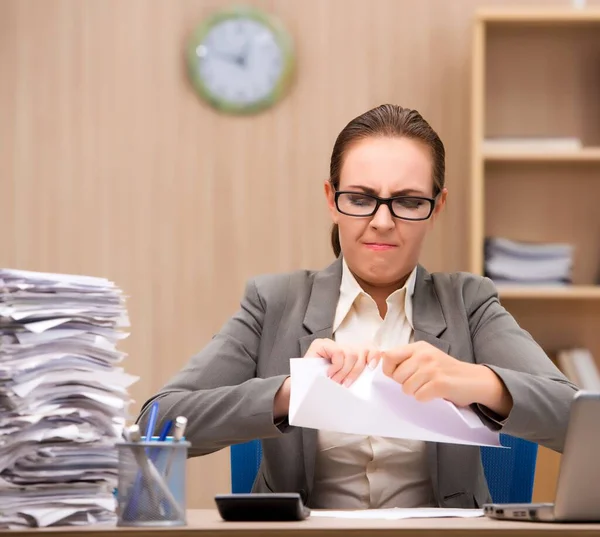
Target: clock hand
(243,56)
(230,58)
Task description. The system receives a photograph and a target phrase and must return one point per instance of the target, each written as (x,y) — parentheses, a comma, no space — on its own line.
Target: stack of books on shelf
(63,398)
(523,263)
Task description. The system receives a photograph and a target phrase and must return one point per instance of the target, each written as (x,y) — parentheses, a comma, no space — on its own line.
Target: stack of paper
(375,405)
(63,398)
(514,262)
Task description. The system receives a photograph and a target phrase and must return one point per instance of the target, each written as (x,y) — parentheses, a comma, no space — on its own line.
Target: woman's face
(381,250)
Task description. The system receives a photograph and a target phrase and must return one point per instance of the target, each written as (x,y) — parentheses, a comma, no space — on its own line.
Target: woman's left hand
(427,373)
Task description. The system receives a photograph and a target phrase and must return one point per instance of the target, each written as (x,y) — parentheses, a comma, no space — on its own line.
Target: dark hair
(386,120)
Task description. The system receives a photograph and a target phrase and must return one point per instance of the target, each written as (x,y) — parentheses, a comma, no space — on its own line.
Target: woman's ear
(330,196)
(440,204)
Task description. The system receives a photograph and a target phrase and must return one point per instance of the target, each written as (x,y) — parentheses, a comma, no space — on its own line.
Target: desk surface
(207,523)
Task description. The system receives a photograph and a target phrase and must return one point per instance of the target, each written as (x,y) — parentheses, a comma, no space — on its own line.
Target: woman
(438,335)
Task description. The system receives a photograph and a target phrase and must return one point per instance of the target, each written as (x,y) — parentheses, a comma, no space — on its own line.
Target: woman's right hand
(347,361)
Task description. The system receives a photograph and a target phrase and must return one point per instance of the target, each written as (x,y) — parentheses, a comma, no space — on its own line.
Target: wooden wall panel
(111,166)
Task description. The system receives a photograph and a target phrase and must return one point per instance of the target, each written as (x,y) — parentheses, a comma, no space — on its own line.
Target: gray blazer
(227,390)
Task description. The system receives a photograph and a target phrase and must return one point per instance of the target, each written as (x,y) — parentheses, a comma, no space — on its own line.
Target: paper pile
(63,400)
(375,405)
(512,262)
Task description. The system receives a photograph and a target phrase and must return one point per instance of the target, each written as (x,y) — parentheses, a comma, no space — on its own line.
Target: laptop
(578,487)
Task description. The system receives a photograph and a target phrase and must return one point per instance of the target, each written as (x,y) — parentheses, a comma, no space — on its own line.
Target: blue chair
(245,461)
(509,472)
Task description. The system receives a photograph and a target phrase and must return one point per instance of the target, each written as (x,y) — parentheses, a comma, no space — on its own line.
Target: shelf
(544,16)
(579,292)
(588,154)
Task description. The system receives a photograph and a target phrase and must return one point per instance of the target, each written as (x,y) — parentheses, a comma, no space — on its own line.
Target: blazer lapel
(429,323)
(428,318)
(318,322)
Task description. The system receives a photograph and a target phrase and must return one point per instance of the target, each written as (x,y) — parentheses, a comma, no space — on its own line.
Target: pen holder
(151,489)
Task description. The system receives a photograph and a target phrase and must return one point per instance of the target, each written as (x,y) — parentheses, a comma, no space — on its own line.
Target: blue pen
(163,436)
(150,426)
(157,453)
(165,431)
(151,421)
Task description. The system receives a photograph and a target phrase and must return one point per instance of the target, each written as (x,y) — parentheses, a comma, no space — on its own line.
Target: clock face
(240,62)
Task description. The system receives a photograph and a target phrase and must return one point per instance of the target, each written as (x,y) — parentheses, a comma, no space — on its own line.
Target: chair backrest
(509,472)
(245,461)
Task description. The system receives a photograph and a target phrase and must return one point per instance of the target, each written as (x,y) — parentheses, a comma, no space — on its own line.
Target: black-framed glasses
(412,208)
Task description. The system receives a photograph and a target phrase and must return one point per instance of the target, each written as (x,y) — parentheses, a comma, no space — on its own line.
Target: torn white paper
(375,405)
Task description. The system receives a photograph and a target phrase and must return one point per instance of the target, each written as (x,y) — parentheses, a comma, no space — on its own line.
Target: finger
(328,349)
(337,362)
(358,368)
(373,357)
(429,391)
(416,381)
(345,365)
(393,358)
(350,358)
(321,348)
(405,370)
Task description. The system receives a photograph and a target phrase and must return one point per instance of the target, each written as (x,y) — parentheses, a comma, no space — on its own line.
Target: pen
(133,435)
(134,431)
(180,425)
(151,421)
(156,452)
(165,431)
(178,433)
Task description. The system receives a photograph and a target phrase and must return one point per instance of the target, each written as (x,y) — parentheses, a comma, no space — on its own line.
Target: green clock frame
(282,38)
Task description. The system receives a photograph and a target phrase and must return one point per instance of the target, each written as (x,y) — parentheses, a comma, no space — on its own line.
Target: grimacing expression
(381,249)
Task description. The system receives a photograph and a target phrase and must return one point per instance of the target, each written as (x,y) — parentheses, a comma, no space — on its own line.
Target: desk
(207,523)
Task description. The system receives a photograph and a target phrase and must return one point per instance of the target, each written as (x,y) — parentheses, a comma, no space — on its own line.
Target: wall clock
(241,60)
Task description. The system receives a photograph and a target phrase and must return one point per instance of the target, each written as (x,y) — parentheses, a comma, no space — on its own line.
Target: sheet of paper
(116,381)
(398,514)
(45,517)
(375,405)
(40,327)
(71,281)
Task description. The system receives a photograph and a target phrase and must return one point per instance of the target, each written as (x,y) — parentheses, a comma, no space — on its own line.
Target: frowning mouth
(379,246)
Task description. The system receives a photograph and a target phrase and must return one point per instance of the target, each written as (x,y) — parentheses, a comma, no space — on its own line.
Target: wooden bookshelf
(537,80)
(536,74)
(525,15)
(587,154)
(572,292)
